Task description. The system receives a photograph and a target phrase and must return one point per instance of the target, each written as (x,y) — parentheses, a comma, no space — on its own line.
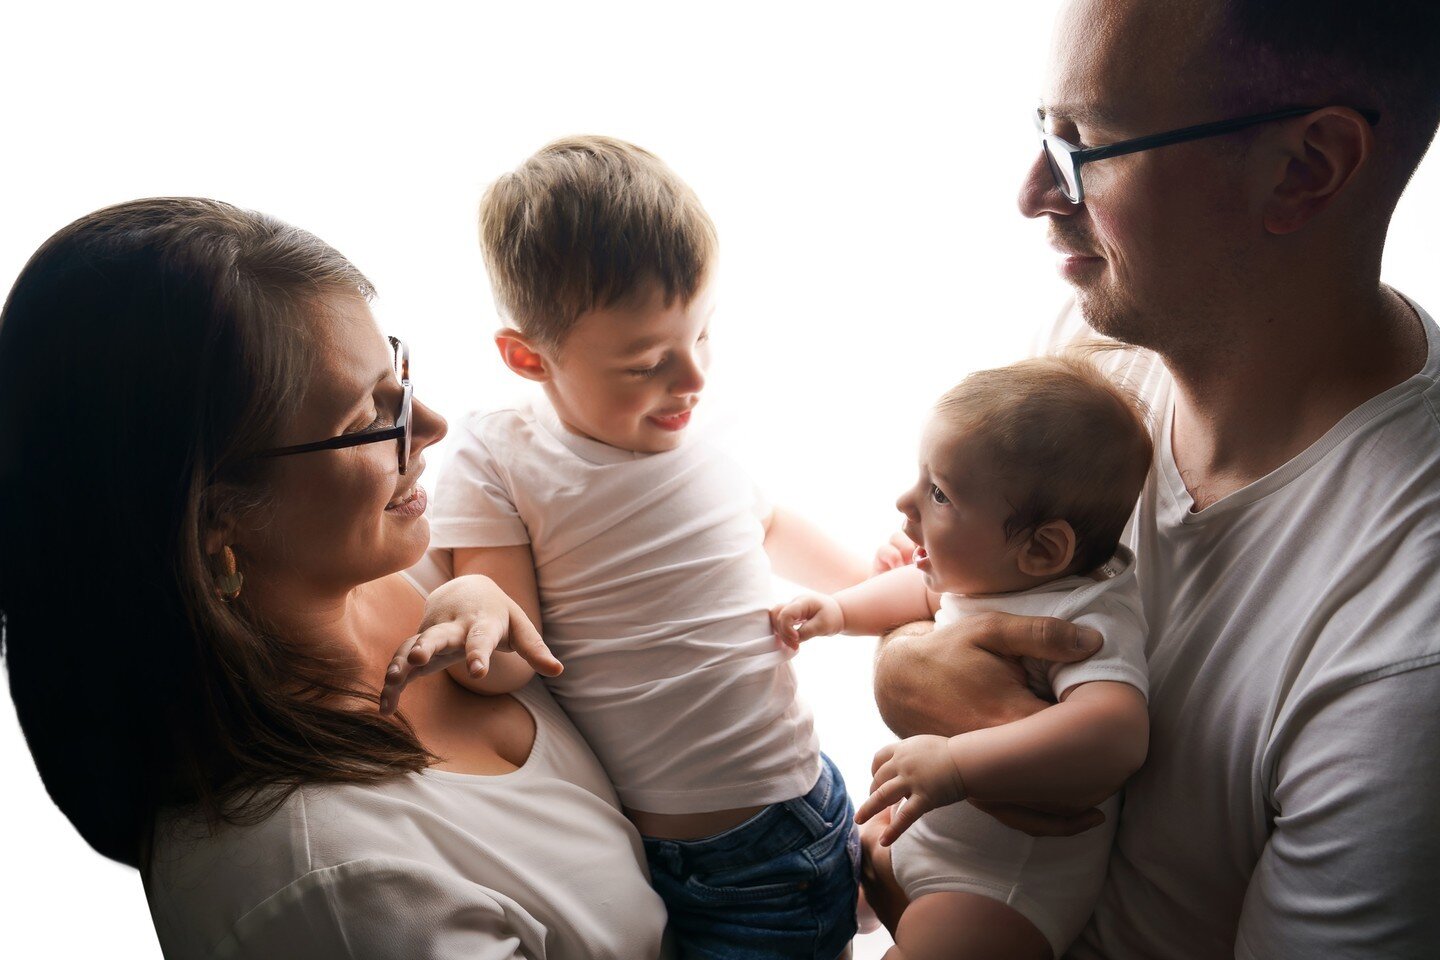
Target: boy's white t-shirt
(536,863)
(1052,881)
(654,591)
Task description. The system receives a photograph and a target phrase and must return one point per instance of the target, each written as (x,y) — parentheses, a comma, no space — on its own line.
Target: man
(1289,535)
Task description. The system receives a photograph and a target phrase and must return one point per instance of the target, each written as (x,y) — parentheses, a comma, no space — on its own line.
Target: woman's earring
(229,581)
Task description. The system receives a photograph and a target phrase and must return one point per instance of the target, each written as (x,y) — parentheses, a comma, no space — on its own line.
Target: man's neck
(1283,382)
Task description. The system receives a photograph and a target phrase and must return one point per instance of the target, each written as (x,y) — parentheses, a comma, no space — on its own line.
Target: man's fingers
(526,641)
(1038,823)
(1042,638)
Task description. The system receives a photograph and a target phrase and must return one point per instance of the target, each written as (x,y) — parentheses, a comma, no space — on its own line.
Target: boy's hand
(898,551)
(810,615)
(468,617)
(922,772)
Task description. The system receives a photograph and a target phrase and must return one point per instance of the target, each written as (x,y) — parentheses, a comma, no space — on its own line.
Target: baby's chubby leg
(965,926)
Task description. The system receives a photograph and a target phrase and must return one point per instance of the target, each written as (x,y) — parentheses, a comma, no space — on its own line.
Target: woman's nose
(428,426)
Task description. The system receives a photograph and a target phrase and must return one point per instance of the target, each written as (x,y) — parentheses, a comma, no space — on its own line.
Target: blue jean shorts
(783,884)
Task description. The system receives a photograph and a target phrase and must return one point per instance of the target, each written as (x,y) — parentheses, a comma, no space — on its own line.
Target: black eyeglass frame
(400,432)
(1076,157)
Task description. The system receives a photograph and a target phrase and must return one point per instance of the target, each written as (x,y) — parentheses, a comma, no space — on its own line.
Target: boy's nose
(689,377)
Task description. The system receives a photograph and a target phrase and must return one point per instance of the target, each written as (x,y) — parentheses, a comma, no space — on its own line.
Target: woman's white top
(536,863)
(655,593)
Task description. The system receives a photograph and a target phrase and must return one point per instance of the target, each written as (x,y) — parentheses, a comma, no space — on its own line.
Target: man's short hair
(1065,442)
(585,224)
(1383,55)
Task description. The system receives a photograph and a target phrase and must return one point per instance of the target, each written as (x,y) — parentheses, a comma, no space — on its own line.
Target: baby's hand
(810,615)
(468,617)
(898,551)
(919,770)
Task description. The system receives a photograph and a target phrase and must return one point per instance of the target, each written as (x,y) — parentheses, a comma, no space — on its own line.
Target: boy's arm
(513,570)
(1075,753)
(803,553)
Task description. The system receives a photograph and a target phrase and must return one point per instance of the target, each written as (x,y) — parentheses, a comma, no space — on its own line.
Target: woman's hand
(921,771)
(470,618)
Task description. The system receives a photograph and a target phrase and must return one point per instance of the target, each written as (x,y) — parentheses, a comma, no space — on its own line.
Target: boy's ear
(1049,550)
(521,356)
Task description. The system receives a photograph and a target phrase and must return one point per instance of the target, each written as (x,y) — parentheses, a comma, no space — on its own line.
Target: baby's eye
(938,495)
(649,371)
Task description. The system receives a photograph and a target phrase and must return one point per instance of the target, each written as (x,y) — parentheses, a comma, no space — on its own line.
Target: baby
(640,552)
(1028,475)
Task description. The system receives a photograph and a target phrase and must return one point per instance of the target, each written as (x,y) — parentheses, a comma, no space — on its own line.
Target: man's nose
(1038,193)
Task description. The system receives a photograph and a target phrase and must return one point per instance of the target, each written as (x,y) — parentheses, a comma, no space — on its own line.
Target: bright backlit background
(860,161)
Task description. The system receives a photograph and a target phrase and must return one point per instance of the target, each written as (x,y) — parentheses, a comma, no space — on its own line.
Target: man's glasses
(399,433)
(1065,159)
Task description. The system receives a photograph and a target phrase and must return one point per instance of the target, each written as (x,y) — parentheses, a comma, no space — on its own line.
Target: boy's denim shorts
(781,884)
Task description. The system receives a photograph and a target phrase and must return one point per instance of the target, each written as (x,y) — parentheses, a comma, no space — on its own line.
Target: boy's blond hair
(585,224)
(1066,442)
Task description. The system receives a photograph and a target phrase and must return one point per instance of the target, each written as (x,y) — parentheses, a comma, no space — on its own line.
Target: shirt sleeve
(379,909)
(474,500)
(1121,659)
(1350,868)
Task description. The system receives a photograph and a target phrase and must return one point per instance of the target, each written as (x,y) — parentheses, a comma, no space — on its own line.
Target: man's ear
(1049,550)
(1319,159)
(521,356)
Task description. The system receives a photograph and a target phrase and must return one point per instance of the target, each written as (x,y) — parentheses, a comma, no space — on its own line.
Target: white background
(861,167)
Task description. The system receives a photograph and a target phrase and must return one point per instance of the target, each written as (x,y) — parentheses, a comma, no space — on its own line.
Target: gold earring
(229,581)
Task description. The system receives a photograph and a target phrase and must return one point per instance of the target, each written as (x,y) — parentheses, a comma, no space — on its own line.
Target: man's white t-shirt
(654,591)
(1290,805)
(536,863)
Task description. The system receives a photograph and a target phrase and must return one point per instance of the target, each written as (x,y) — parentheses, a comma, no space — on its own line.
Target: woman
(209,466)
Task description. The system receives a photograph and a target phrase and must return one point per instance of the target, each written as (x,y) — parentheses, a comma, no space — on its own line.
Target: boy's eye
(649,371)
(938,495)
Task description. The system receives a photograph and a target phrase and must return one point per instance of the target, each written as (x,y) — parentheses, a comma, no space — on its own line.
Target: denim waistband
(778,829)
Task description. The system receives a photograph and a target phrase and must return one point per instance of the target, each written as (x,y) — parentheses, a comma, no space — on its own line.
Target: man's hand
(898,551)
(883,893)
(967,675)
(808,615)
(919,771)
(469,617)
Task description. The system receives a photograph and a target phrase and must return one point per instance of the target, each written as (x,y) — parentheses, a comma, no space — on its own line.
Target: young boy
(1028,475)
(641,553)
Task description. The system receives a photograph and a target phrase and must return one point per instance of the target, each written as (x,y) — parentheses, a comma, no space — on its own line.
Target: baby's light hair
(585,224)
(1065,442)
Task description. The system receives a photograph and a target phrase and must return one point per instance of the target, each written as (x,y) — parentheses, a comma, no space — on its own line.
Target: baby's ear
(521,356)
(1049,550)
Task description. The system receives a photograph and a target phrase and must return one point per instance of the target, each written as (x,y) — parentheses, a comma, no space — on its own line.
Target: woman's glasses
(400,432)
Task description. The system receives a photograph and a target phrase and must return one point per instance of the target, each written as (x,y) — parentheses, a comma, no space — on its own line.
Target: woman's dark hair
(147,351)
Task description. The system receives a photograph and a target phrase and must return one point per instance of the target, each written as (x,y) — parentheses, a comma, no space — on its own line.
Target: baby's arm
(1075,753)
(803,553)
(867,609)
(513,570)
